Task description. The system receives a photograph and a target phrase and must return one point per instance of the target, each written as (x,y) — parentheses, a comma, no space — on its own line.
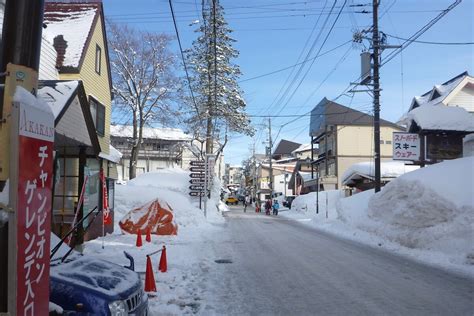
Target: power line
(429,42)
(420,32)
(297,64)
(312,62)
(182,57)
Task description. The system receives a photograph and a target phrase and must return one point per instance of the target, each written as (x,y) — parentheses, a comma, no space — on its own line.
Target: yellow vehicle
(231,200)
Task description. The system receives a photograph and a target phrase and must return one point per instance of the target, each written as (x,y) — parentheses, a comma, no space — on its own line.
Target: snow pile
(431,208)
(327,201)
(24,96)
(190,254)
(442,117)
(427,214)
(172,186)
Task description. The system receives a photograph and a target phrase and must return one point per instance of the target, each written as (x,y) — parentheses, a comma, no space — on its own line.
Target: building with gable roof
(344,136)
(75,81)
(77,32)
(443,116)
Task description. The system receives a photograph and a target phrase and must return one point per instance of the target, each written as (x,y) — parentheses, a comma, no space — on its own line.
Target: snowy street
(281,267)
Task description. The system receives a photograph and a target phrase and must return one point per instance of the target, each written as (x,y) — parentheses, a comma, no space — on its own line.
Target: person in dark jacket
(268,206)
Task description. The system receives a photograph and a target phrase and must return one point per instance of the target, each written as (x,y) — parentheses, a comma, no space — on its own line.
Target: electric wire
(182,57)
(430,42)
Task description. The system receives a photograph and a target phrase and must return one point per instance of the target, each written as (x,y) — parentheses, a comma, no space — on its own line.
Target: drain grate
(223,261)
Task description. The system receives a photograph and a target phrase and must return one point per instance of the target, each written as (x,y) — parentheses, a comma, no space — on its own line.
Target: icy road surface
(281,267)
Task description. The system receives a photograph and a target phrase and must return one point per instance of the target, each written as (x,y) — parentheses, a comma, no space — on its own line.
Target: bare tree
(144,81)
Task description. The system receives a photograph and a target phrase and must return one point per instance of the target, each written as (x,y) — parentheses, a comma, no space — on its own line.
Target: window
(388,142)
(381,142)
(98,115)
(98,55)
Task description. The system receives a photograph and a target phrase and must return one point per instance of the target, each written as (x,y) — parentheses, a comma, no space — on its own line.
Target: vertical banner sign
(107,219)
(35,177)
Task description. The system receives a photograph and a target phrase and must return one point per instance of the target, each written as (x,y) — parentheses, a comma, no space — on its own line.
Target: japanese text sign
(406,146)
(35,174)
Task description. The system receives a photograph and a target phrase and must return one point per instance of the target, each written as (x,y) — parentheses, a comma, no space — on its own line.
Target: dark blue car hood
(106,279)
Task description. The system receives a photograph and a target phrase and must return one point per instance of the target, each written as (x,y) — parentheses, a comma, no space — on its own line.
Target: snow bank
(172,186)
(427,214)
(431,208)
(327,202)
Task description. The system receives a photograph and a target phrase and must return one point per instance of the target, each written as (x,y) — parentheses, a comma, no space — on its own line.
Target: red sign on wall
(35,178)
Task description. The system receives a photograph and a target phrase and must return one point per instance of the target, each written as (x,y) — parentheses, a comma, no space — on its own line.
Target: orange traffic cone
(163,266)
(139,238)
(148,234)
(150,284)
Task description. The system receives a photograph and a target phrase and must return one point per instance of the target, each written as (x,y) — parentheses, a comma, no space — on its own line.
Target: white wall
(279,184)
(47,69)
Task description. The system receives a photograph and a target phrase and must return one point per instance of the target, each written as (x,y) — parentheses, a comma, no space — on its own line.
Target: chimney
(60,45)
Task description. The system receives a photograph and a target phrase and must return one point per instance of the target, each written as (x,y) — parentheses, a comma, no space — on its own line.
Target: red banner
(35,177)
(105,200)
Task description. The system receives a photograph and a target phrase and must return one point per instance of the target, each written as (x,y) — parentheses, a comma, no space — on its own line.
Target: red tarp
(156,215)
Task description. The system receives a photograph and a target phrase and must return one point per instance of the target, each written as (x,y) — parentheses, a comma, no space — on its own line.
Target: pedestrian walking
(268,206)
(276,206)
(246,202)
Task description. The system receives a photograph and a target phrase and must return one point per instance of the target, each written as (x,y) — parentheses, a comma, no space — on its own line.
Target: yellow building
(77,32)
(81,97)
(345,136)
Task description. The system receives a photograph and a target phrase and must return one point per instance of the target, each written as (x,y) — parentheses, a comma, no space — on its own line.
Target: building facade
(344,137)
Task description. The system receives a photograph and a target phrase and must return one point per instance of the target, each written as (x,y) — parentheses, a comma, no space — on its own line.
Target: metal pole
(270,155)
(375,44)
(317,192)
(21,45)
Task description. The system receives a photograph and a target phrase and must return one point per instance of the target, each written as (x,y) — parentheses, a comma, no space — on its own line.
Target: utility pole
(20,45)
(376,59)
(254,181)
(270,146)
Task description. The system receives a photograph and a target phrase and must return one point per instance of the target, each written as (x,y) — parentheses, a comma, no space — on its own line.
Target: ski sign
(196,187)
(197,193)
(197,175)
(196,181)
(197,163)
(197,169)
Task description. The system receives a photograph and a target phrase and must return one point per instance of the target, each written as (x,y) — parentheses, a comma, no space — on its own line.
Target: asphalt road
(281,267)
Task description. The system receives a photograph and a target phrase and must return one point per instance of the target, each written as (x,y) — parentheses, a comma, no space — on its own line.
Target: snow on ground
(427,214)
(181,290)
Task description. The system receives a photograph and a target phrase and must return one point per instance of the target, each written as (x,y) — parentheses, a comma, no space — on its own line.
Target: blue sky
(271,35)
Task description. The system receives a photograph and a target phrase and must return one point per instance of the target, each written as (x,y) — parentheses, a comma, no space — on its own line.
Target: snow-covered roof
(74,22)
(150,132)
(442,117)
(114,155)
(388,169)
(438,93)
(57,95)
(306,176)
(280,161)
(303,147)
